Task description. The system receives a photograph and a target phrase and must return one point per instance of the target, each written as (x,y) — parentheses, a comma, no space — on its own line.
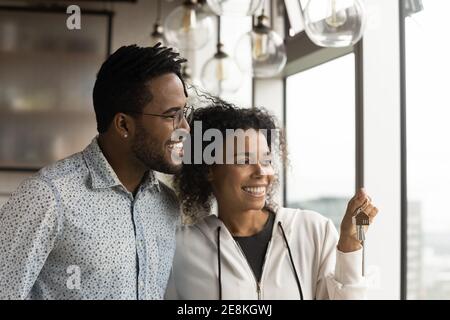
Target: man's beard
(151,154)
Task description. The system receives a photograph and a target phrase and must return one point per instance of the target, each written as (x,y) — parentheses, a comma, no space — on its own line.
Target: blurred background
(357,112)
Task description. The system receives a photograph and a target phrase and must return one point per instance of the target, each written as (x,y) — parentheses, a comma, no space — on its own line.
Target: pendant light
(261,51)
(188,27)
(334,23)
(220,74)
(235,7)
(158,31)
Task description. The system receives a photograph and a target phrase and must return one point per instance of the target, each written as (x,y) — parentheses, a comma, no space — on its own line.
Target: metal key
(361,219)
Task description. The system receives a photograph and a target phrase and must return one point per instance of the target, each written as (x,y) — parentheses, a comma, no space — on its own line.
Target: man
(99,225)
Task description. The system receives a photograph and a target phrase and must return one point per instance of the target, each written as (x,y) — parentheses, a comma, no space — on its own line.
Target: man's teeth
(255,190)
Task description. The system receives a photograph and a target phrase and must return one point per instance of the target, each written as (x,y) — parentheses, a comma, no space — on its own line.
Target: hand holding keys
(361,219)
(359,215)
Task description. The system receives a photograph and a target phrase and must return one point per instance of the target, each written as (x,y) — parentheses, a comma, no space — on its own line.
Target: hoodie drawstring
(219,263)
(292,261)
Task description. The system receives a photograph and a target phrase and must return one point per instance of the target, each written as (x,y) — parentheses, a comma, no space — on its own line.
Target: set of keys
(360,219)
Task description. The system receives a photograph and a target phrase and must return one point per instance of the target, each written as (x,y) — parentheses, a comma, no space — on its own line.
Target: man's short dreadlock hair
(121,81)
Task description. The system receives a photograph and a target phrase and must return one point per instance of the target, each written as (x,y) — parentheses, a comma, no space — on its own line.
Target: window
(428,151)
(320,124)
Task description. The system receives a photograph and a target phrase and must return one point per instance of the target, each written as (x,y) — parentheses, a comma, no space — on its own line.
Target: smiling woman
(251,248)
(192,183)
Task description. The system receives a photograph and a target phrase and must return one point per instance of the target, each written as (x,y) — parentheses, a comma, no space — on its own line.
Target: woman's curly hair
(191,183)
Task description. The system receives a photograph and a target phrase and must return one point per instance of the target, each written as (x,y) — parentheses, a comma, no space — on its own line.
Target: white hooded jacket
(322,270)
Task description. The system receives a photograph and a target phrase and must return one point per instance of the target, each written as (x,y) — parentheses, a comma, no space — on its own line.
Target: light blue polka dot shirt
(73,231)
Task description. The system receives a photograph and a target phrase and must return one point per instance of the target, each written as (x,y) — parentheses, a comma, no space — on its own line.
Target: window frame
(403,158)
(378,132)
(302,55)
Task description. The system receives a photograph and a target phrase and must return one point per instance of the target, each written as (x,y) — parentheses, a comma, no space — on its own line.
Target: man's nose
(184,125)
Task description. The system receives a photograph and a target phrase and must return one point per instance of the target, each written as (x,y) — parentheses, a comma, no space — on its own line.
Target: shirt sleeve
(29,226)
(340,274)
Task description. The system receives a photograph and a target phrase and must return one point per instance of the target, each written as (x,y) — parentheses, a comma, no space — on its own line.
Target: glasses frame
(186,113)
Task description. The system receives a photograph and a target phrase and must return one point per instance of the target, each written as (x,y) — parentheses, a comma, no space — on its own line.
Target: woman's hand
(348,240)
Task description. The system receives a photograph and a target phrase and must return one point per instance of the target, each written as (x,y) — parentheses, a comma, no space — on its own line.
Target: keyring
(362,208)
(365,205)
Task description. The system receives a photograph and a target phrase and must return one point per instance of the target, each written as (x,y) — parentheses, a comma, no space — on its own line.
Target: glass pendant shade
(334,23)
(157,35)
(186,74)
(235,7)
(220,74)
(261,51)
(188,27)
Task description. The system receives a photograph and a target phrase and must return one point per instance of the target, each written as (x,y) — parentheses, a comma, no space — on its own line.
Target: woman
(251,249)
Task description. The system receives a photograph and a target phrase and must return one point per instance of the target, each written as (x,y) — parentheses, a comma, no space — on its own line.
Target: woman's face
(244,184)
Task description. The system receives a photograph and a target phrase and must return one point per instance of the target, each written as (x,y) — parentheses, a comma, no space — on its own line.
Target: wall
(381,64)
(132,24)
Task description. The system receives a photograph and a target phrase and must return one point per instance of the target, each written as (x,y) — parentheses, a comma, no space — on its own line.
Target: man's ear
(123,125)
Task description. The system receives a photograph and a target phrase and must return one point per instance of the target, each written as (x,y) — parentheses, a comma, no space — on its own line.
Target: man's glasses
(184,113)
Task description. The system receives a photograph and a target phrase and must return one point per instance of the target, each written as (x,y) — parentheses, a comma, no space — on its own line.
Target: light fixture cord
(218,48)
(271,14)
(158,11)
(263,11)
(218,31)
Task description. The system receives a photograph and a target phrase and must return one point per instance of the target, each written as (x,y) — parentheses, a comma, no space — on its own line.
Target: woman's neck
(243,223)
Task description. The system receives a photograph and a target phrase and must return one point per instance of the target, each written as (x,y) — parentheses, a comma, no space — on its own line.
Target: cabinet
(47,74)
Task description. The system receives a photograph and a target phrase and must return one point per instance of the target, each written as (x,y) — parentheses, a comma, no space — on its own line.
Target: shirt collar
(150,181)
(103,175)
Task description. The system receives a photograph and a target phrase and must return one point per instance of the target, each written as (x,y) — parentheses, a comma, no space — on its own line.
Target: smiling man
(102,212)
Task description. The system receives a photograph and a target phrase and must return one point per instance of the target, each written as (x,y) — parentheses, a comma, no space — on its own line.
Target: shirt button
(141,284)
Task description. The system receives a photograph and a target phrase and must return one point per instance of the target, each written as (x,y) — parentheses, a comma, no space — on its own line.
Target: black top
(255,247)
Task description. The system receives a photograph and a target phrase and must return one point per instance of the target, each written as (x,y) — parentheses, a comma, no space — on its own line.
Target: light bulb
(189,19)
(334,23)
(335,18)
(234,7)
(220,74)
(188,27)
(261,51)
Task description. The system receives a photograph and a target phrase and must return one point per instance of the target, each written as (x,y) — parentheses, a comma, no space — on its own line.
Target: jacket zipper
(258,283)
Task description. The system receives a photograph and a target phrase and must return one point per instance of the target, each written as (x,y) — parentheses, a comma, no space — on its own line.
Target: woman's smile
(255,191)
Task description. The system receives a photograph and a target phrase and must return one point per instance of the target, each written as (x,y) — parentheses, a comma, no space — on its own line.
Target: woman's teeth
(177,146)
(256,191)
